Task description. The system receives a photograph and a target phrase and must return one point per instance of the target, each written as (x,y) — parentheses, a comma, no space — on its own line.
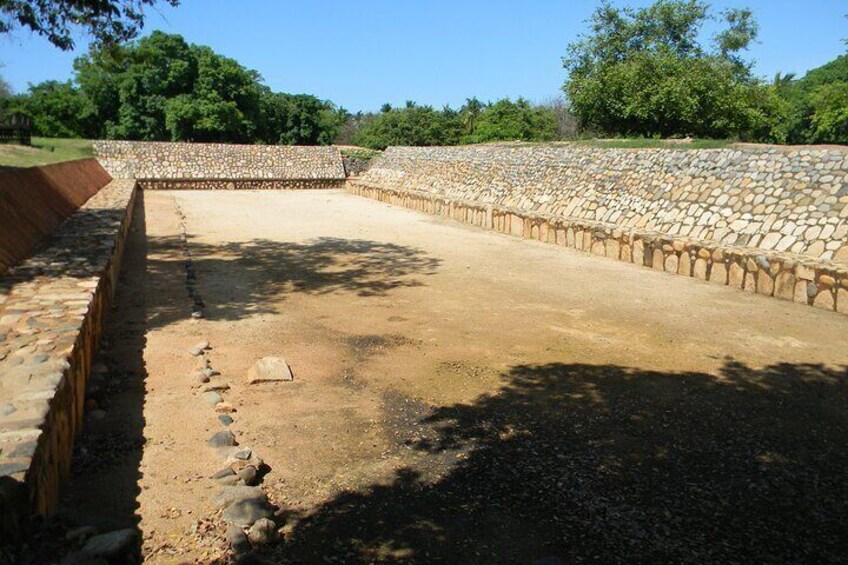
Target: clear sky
(362,53)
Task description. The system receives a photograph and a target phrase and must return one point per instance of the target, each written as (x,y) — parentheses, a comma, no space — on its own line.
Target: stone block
(824,300)
(750,284)
(718,273)
(639,253)
(598,248)
(736,275)
(805,272)
(842,301)
(613,248)
(699,271)
(658,260)
(587,240)
(784,285)
(765,284)
(801,296)
(670,263)
(516,225)
(684,266)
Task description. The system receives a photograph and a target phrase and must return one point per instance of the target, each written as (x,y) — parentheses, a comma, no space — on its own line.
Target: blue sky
(362,53)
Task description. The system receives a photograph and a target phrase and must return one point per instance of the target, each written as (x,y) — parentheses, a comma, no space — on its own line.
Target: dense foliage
(818,103)
(475,122)
(638,72)
(108,21)
(643,72)
(162,88)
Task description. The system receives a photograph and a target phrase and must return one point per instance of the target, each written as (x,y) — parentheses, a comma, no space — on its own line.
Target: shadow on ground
(105,469)
(243,279)
(607,464)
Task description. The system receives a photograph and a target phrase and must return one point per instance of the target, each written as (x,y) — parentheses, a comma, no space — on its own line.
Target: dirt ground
(460,396)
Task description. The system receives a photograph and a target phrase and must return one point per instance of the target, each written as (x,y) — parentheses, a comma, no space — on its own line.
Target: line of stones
(246,508)
(787,276)
(240,184)
(52,307)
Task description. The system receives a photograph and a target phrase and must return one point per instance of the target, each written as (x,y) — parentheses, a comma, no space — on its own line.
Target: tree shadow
(103,489)
(610,464)
(241,279)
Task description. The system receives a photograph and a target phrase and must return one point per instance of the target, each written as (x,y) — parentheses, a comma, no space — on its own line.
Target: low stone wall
(205,163)
(34,201)
(788,199)
(224,184)
(798,277)
(51,311)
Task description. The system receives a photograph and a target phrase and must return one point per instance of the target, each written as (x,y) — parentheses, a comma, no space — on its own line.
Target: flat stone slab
(112,545)
(268,370)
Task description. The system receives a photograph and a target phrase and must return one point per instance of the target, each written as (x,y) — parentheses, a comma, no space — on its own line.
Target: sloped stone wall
(192,163)
(792,200)
(52,307)
(34,201)
(769,221)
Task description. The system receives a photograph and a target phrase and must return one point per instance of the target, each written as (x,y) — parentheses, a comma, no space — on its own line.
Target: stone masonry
(768,221)
(51,311)
(224,166)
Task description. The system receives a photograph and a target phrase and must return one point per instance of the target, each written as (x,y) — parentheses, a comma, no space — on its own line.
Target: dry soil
(460,396)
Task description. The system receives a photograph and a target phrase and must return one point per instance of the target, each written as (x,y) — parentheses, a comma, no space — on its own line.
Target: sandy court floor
(461,396)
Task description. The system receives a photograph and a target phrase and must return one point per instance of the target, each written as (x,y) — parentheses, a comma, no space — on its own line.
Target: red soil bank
(34,201)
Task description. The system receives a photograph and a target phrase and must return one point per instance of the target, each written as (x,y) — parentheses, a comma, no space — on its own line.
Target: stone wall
(192,163)
(240,184)
(768,221)
(51,312)
(34,201)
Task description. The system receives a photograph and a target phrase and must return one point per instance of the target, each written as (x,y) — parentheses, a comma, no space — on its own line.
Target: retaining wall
(221,166)
(52,307)
(34,201)
(768,221)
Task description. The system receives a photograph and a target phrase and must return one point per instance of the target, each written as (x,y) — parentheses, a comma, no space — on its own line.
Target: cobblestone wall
(51,311)
(782,200)
(768,221)
(215,161)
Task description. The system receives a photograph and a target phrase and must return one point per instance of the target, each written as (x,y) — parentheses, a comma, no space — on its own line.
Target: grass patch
(658,143)
(359,152)
(44,151)
(624,143)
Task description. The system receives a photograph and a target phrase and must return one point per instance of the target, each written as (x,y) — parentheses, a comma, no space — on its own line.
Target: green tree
(829,119)
(108,21)
(644,72)
(222,104)
(147,73)
(57,110)
(470,112)
(810,95)
(510,121)
(411,125)
(5,89)
(302,119)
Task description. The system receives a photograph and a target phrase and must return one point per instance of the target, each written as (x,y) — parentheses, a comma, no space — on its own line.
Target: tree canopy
(107,21)
(162,88)
(645,72)
(474,122)
(818,103)
(636,72)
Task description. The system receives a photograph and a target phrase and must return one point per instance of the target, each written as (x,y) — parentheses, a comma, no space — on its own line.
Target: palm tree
(783,81)
(470,112)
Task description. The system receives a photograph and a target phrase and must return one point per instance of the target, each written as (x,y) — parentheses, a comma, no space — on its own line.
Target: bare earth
(461,396)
